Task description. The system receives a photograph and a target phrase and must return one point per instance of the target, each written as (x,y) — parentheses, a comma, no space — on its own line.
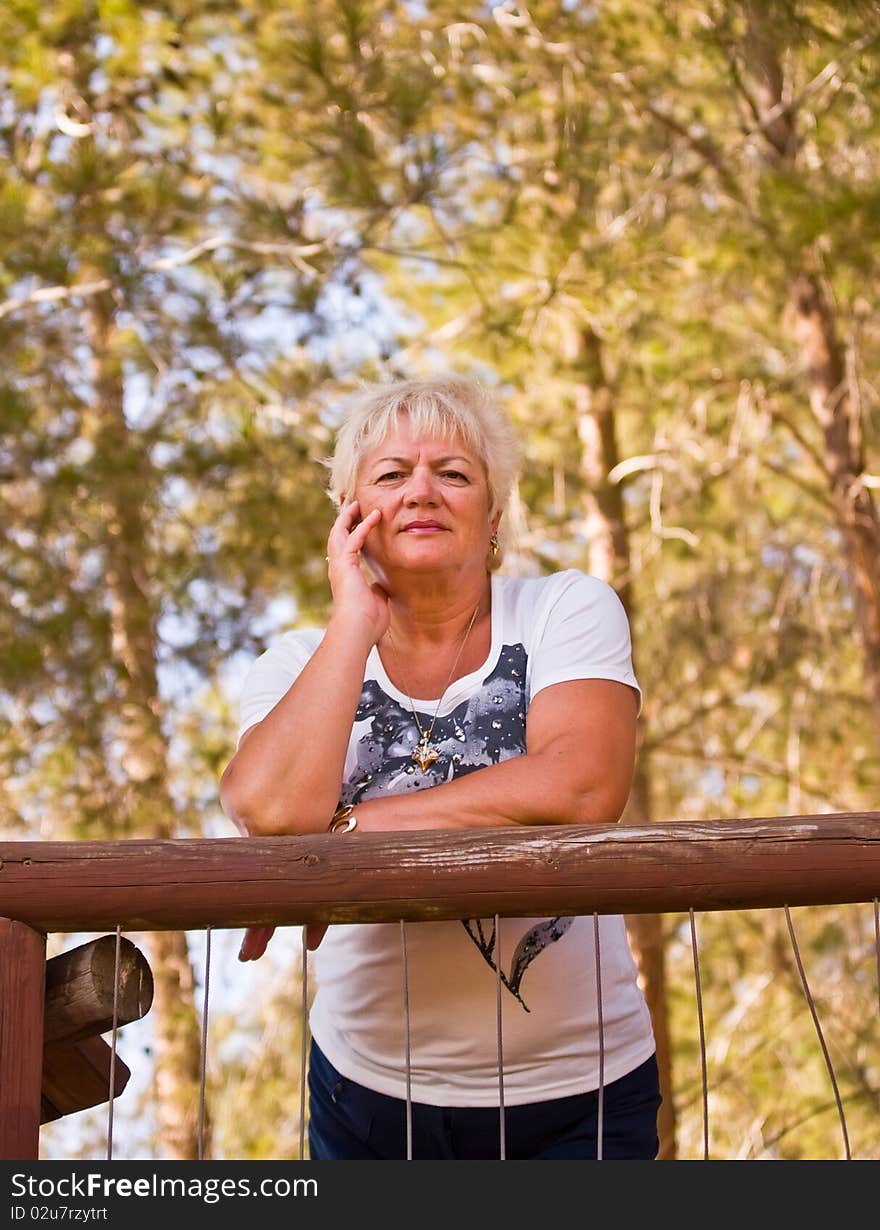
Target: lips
(423,525)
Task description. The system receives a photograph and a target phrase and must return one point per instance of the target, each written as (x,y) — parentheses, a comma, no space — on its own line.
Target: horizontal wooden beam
(81,989)
(372,877)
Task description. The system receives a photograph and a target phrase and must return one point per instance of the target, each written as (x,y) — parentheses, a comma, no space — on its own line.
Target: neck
(434,613)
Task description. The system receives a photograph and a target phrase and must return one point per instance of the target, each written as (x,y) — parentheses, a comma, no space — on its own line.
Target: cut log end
(81,986)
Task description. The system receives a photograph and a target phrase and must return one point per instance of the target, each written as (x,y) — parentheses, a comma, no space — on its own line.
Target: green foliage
(770,1092)
(580,203)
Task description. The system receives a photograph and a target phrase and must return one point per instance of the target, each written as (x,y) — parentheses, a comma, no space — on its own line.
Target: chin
(424,556)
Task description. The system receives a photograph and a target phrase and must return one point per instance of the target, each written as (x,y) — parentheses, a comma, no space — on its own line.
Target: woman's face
(434,498)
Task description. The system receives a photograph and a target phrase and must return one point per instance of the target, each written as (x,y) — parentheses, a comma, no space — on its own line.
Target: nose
(421,487)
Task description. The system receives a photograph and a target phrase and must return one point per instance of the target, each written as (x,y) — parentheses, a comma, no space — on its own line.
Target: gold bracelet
(344,820)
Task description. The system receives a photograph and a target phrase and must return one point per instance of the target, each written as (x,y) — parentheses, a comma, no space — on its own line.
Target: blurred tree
(653,227)
(159,441)
(605,238)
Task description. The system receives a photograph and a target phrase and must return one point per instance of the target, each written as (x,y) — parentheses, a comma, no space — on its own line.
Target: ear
(494,521)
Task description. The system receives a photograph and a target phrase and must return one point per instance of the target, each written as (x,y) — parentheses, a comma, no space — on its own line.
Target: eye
(389,475)
(455,474)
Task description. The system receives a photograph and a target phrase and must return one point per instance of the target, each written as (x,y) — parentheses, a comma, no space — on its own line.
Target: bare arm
(291,763)
(578,769)
(285,775)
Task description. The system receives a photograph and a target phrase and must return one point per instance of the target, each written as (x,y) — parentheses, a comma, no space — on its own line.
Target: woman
(444,695)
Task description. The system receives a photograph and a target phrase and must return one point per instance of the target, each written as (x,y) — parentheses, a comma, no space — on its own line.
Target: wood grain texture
(22,974)
(512,871)
(76,1075)
(80,987)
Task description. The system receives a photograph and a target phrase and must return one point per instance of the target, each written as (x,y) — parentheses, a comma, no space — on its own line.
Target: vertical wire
(112,1090)
(502,1141)
(877,944)
(703,1074)
(303,1032)
(797,957)
(204,1055)
(600,1113)
(406,1023)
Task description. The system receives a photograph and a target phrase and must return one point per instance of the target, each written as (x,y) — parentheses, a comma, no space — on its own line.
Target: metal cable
(304,1038)
(703,1071)
(406,1021)
(797,957)
(116,965)
(204,1055)
(502,1144)
(600,1114)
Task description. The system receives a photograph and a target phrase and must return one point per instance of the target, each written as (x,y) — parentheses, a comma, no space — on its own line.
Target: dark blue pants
(348,1122)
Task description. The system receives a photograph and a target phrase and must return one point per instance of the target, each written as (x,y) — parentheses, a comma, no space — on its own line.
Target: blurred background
(653,230)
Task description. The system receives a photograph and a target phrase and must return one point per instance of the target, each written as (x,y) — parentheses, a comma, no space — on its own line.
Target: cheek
(366,497)
(368,502)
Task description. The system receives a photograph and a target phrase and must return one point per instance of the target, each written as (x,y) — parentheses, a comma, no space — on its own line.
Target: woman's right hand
(256,940)
(355,599)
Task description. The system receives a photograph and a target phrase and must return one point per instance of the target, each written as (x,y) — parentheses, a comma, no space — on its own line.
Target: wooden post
(22,979)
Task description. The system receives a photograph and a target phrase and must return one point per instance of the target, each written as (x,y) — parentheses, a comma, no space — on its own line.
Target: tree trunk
(149,810)
(856,513)
(812,317)
(610,560)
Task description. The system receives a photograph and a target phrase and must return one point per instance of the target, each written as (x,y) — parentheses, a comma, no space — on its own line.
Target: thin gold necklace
(423,754)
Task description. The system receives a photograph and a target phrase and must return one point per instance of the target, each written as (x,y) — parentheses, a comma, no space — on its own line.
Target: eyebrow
(439,461)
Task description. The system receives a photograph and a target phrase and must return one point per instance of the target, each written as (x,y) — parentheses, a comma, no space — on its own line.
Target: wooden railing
(142,885)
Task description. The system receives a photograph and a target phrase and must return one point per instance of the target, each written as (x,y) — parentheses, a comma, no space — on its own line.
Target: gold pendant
(423,754)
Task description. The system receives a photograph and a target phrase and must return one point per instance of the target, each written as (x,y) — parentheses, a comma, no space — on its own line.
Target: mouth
(423,527)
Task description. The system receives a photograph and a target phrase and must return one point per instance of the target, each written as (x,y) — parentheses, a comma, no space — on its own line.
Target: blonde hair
(435,406)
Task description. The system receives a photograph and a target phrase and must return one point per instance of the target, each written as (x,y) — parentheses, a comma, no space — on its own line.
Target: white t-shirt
(545,630)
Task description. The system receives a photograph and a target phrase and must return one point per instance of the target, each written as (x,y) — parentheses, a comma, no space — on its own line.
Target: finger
(342,526)
(344,542)
(361,531)
(315,932)
(349,513)
(248,947)
(255,942)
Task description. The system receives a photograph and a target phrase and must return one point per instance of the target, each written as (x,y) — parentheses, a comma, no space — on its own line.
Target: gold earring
(493,543)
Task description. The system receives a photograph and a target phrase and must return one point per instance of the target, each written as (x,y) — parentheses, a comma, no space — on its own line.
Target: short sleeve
(271,675)
(583,633)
